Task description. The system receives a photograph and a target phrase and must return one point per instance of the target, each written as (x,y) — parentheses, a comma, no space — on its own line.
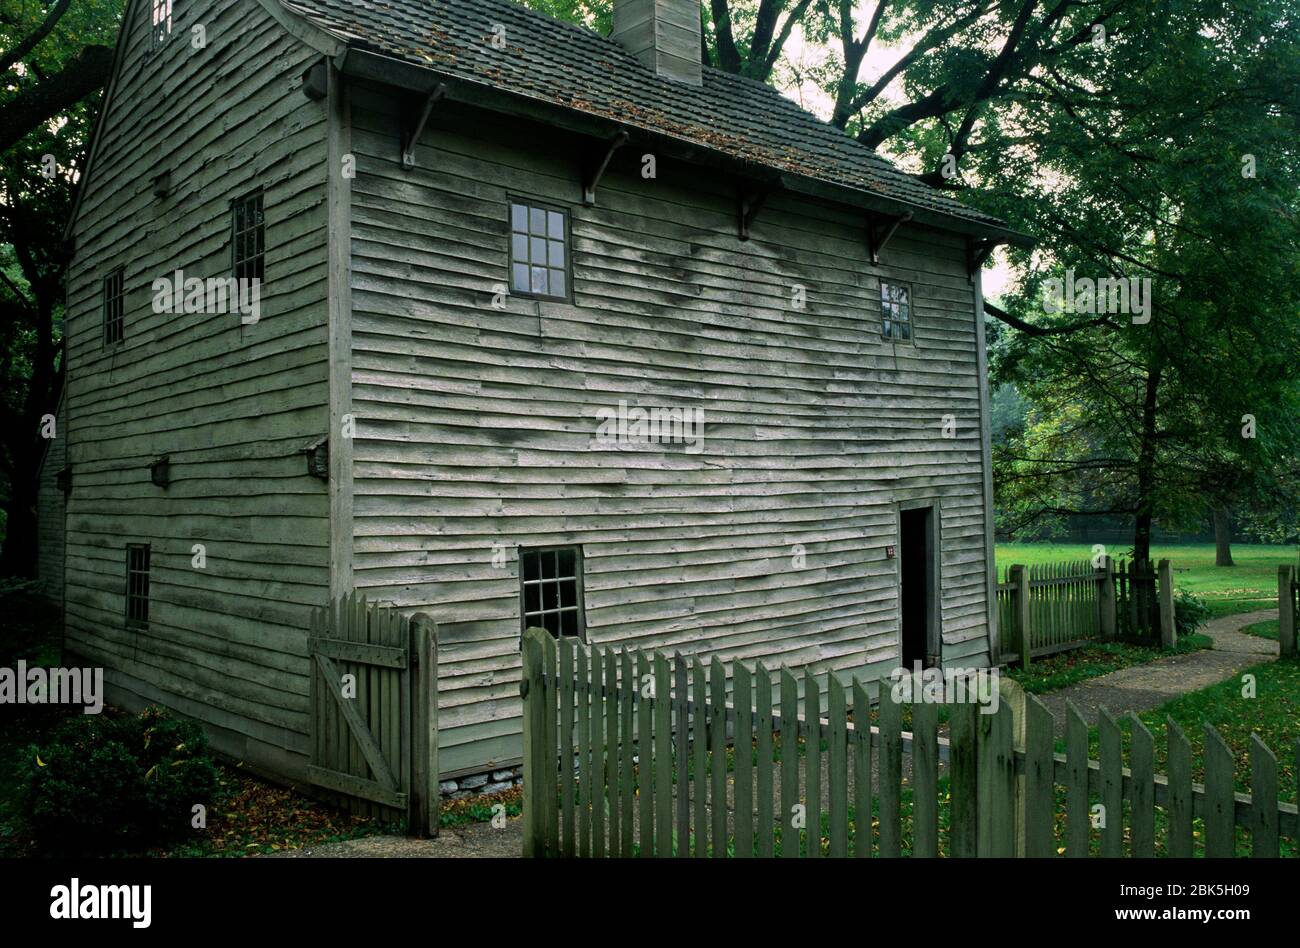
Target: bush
(107,784)
(32,623)
(1190,612)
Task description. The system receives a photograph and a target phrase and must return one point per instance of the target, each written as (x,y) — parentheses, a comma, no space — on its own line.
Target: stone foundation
(473,785)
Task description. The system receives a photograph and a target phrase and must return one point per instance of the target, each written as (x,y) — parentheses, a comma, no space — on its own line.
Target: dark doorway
(917,586)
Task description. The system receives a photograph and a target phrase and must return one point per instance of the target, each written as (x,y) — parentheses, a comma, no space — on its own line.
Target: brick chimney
(663,34)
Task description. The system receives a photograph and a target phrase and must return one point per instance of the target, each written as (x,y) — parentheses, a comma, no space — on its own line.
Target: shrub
(1190,612)
(31,625)
(104,784)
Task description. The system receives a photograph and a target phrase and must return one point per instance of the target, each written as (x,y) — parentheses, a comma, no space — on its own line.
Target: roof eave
(362,63)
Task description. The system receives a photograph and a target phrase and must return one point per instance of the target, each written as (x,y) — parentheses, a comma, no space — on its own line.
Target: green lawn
(1272,712)
(1268,629)
(1250,585)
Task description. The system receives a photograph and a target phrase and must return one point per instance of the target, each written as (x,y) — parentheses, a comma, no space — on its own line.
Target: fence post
(424,802)
(1019,575)
(1013,696)
(1106,598)
(1286,624)
(1167,629)
(532,689)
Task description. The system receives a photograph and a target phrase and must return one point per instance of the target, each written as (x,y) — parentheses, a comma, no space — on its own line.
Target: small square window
(137,585)
(247,239)
(114,312)
(538,256)
(160,23)
(895,312)
(551,590)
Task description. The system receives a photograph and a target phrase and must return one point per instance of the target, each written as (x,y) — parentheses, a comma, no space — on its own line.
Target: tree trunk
(1146,472)
(1222,538)
(19,555)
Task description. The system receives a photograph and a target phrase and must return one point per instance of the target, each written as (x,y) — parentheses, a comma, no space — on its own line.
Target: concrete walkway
(1143,687)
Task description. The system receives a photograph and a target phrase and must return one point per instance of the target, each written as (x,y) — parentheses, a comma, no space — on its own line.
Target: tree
(56,58)
(1166,154)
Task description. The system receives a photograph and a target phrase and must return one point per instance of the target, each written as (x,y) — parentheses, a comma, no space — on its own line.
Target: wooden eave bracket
(411,131)
(592,179)
(977,251)
(877,239)
(748,205)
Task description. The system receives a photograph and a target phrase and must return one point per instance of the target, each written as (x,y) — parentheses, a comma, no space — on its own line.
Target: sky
(880,56)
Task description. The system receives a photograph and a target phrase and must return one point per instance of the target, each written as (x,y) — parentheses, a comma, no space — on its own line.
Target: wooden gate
(1138,600)
(374,711)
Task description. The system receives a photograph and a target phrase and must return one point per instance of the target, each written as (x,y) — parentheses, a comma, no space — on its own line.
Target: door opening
(917,587)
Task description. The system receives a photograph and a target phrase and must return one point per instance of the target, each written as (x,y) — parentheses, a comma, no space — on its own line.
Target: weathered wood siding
(50,510)
(475,426)
(231,405)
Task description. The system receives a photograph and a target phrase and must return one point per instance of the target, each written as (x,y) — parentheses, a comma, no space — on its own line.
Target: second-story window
(161,23)
(895,312)
(539,252)
(114,314)
(247,238)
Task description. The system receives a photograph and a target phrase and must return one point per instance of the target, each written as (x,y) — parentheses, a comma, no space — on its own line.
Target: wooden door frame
(934,603)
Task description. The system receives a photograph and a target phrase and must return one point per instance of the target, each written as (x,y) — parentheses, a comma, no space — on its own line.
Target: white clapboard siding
(475,425)
(231,405)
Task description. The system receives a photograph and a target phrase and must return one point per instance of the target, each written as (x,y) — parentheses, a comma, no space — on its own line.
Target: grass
(1271,710)
(1227,590)
(1268,629)
(1093,661)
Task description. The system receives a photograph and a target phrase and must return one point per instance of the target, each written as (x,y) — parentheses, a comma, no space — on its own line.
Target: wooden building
(480,235)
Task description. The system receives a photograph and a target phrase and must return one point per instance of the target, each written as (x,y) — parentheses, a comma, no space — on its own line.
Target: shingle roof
(573,67)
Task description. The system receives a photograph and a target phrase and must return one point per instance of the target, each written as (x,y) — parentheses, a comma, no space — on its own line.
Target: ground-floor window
(551,589)
(137,584)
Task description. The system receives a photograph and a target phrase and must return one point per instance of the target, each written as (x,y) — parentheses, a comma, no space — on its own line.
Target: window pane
(555,253)
(519,247)
(518,217)
(530,561)
(539,280)
(564,562)
(537,221)
(569,592)
(557,283)
(532,597)
(555,225)
(569,623)
(520,277)
(537,250)
(551,622)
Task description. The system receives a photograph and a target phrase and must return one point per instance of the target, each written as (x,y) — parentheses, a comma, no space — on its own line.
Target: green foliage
(30,626)
(1135,160)
(1190,612)
(105,784)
